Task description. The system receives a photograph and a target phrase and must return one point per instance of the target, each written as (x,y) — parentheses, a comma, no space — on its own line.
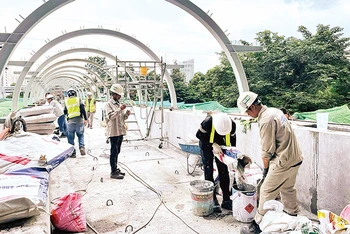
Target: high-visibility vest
(227,137)
(73,107)
(90,107)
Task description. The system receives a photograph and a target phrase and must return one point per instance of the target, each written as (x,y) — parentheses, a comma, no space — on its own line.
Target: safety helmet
(118,89)
(49,96)
(89,93)
(222,123)
(71,92)
(245,100)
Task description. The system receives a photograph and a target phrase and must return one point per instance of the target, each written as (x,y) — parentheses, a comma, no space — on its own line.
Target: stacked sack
(39,119)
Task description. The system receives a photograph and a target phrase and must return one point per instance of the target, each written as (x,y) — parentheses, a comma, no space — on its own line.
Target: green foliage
(300,74)
(102,62)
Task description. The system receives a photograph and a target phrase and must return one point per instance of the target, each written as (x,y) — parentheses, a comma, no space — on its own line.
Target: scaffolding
(144,81)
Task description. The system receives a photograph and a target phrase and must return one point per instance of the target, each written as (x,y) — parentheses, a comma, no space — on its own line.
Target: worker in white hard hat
(218,129)
(58,111)
(76,120)
(90,107)
(116,114)
(281,157)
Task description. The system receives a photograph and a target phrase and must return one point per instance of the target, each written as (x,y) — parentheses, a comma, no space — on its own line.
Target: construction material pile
(39,119)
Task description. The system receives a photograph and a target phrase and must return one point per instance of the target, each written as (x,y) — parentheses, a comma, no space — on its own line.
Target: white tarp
(23,179)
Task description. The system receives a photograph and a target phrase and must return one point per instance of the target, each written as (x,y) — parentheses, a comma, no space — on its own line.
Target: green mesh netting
(6,106)
(205,106)
(339,114)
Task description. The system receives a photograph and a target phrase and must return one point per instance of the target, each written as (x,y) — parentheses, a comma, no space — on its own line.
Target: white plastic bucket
(202,197)
(322,121)
(244,205)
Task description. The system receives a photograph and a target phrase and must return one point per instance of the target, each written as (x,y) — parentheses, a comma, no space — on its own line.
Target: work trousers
(279,181)
(62,124)
(75,128)
(90,116)
(208,163)
(116,143)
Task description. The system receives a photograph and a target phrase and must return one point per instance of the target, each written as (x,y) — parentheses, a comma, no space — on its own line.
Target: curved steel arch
(83,32)
(69,76)
(34,88)
(43,73)
(220,36)
(73,60)
(10,41)
(55,73)
(189,7)
(60,54)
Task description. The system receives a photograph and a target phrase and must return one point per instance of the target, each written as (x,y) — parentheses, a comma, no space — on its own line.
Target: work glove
(217,149)
(244,160)
(265,171)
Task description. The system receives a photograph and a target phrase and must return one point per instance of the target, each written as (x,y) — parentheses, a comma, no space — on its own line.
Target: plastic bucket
(244,203)
(322,121)
(202,197)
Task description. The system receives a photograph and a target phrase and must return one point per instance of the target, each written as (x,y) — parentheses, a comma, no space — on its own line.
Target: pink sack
(67,214)
(345,214)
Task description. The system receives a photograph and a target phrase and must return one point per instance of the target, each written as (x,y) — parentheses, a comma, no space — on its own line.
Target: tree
(102,74)
(301,74)
(180,86)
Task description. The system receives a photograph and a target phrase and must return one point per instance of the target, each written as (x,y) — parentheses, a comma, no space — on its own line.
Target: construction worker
(58,111)
(116,127)
(90,107)
(281,157)
(76,120)
(216,130)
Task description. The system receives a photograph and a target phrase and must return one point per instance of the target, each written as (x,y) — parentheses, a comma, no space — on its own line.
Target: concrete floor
(154,196)
(154,193)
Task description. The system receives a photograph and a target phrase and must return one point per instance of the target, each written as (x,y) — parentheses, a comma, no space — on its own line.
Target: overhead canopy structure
(11,40)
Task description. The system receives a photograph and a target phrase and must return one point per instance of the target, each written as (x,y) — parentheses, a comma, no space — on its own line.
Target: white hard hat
(222,123)
(49,96)
(118,89)
(89,93)
(71,92)
(245,100)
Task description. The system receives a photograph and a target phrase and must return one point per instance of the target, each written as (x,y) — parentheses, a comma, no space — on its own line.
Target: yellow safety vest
(227,137)
(90,107)
(73,107)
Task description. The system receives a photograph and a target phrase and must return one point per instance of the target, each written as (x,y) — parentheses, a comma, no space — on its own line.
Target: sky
(169,31)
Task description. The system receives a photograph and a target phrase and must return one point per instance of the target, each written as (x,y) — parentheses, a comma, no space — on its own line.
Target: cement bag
(280,222)
(40,126)
(68,215)
(20,196)
(44,118)
(38,110)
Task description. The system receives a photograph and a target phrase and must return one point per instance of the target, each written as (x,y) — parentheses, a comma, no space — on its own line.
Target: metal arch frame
(60,54)
(220,36)
(67,80)
(84,32)
(35,88)
(76,50)
(43,73)
(55,73)
(70,76)
(11,40)
(51,6)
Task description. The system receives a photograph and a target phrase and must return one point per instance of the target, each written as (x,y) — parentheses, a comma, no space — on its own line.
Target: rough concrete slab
(154,196)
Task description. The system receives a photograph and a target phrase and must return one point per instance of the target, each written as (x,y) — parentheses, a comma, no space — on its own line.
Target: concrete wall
(322,181)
